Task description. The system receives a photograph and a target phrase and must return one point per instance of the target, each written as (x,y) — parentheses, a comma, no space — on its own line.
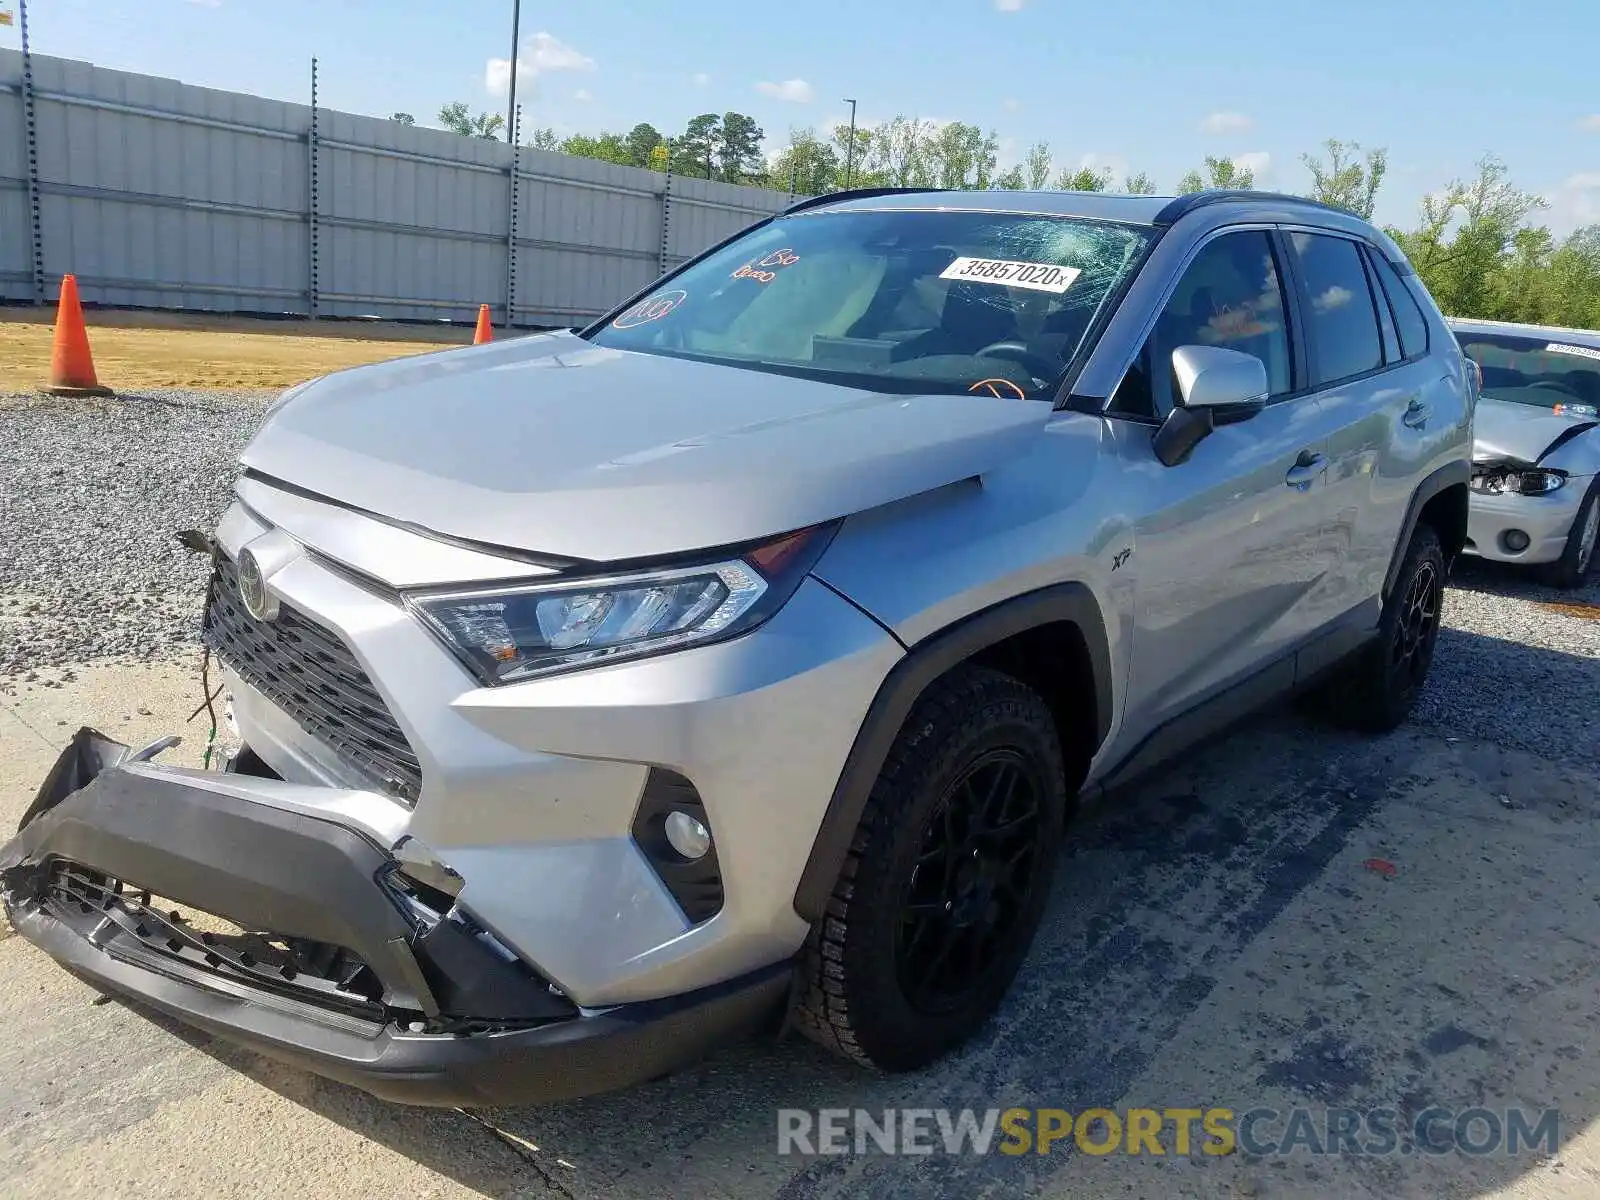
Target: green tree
(545,139)
(1139,184)
(898,153)
(402,118)
(1225,173)
(957,156)
(457,118)
(1037,166)
(1570,288)
(1465,237)
(607,147)
(1522,285)
(737,147)
(695,147)
(1084,179)
(811,163)
(1347,181)
(854,169)
(642,141)
(1220,173)
(1010,180)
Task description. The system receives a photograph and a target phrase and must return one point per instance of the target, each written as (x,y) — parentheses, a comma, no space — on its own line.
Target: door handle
(1417,413)
(1306,470)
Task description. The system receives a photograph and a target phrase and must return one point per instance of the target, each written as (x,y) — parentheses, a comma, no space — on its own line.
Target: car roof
(1580,337)
(1103,206)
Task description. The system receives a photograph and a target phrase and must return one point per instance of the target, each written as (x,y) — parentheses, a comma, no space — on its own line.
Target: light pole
(511,105)
(850,149)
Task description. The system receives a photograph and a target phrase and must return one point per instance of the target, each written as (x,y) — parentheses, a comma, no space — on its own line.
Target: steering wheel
(1554,386)
(1040,366)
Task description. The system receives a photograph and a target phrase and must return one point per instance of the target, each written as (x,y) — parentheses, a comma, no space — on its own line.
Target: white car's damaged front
(1536,452)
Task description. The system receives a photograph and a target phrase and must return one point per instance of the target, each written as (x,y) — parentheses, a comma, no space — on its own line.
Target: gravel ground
(91,570)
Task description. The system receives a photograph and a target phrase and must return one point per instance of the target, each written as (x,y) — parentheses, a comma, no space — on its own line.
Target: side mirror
(1215,387)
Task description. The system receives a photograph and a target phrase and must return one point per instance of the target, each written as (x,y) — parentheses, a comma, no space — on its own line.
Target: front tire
(1377,690)
(946,879)
(1572,569)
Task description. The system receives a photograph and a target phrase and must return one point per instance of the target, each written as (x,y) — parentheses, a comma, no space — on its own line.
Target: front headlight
(516,633)
(1535,483)
(1500,480)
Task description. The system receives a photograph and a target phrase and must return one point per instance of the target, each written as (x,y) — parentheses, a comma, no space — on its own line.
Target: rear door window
(1341,317)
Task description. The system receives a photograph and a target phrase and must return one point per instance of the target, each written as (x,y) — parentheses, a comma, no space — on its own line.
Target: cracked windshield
(993,304)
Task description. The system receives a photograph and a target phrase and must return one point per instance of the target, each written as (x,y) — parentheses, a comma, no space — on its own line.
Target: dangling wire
(208,704)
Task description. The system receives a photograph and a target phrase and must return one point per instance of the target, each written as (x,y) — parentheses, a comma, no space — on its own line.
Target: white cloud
(583,95)
(1334,297)
(540,53)
(545,53)
(798,91)
(1008,6)
(1257,162)
(1590,123)
(1226,122)
(1576,202)
(1010,104)
(699,79)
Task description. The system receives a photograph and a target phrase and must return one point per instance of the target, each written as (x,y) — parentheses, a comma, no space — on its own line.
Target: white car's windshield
(1545,372)
(921,301)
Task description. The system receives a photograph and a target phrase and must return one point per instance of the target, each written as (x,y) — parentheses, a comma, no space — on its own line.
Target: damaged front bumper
(278,927)
(1511,527)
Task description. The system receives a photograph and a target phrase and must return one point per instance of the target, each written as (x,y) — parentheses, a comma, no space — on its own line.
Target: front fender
(923,663)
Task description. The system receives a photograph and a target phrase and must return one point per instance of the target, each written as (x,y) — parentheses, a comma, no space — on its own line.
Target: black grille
(308,671)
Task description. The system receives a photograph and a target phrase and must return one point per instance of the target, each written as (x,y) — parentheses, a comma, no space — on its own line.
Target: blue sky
(1151,85)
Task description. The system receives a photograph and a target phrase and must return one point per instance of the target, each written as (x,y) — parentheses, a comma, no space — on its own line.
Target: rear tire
(946,879)
(1378,688)
(1573,568)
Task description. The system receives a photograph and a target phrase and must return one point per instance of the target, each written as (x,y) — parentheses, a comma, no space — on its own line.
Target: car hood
(552,445)
(1503,430)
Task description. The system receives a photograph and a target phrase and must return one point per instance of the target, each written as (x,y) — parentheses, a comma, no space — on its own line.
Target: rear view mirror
(1215,387)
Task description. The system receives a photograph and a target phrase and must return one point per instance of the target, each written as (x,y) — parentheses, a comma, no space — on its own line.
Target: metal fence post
(30,123)
(312,246)
(666,215)
(511,220)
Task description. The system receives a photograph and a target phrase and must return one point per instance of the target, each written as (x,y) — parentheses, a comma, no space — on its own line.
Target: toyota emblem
(258,601)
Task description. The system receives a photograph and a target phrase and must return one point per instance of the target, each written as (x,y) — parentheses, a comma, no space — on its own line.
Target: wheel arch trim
(924,662)
(1452,474)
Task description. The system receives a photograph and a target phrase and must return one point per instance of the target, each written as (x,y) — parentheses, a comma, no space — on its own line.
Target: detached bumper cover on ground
(330,956)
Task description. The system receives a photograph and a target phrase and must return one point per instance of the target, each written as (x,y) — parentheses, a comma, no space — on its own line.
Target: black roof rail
(865,193)
(1184,205)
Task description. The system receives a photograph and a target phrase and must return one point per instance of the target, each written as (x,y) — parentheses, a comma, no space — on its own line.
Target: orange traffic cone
(71,364)
(485,331)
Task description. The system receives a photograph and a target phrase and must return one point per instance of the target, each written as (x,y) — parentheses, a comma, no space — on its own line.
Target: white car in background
(1536,453)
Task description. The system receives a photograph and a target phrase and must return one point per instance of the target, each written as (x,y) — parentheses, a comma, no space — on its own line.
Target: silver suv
(608,694)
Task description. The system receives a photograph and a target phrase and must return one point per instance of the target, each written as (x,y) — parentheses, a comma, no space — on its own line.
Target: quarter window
(1341,320)
(1408,318)
(1229,296)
